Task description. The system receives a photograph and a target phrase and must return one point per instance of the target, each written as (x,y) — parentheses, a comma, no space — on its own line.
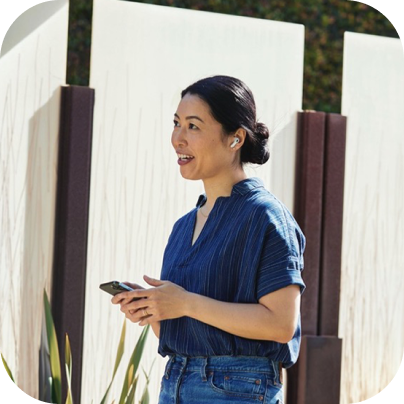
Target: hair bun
(262,131)
(256,150)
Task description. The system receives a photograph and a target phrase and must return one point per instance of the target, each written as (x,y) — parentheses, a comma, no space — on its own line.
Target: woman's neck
(221,186)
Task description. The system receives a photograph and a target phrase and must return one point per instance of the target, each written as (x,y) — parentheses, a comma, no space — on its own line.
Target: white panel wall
(142,57)
(372,284)
(31,73)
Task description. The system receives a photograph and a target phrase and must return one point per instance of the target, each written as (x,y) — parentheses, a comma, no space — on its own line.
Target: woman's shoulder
(266,203)
(274,214)
(254,191)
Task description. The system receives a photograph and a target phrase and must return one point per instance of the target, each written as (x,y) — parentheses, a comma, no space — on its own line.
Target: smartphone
(115,287)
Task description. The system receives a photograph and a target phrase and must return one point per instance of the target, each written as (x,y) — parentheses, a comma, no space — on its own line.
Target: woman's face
(198,135)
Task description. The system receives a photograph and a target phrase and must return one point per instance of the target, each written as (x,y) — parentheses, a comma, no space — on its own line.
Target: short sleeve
(281,261)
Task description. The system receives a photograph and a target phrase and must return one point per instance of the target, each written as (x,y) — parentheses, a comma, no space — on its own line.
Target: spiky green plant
(53,352)
(131,378)
(7,368)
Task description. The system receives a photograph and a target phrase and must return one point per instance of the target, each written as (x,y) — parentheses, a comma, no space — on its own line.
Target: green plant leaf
(145,396)
(134,361)
(68,364)
(119,354)
(53,351)
(131,396)
(7,368)
(130,376)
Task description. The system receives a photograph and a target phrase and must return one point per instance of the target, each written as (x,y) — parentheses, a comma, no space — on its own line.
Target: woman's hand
(165,300)
(132,315)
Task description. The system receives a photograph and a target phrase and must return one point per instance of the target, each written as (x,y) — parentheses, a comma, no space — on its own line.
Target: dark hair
(232,104)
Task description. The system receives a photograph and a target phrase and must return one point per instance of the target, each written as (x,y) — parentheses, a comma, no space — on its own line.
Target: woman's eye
(192,126)
(175,122)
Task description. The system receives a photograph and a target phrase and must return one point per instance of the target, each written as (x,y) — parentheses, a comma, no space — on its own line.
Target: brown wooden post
(71,228)
(319,370)
(315,378)
(308,208)
(331,243)
(307,211)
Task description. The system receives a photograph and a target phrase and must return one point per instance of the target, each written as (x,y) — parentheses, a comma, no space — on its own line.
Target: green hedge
(325,22)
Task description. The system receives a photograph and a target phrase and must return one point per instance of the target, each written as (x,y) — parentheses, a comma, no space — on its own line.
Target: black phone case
(115,287)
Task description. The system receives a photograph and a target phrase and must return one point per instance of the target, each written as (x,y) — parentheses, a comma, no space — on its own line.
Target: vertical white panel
(372,280)
(142,57)
(31,73)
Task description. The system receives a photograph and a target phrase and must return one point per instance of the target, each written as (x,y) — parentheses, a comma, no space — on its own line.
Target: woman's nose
(178,137)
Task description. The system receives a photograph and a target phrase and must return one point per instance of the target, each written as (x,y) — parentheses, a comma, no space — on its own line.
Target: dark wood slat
(71,228)
(308,208)
(319,370)
(331,244)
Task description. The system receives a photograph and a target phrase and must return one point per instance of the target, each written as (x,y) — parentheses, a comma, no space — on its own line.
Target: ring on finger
(145,313)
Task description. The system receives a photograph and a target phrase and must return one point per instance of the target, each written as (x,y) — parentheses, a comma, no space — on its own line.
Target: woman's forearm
(274,318)
(247,320)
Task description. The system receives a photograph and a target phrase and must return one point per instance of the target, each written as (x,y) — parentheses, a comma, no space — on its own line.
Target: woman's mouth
(184,159)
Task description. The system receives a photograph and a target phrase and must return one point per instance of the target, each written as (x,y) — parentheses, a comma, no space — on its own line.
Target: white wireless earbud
(235,141)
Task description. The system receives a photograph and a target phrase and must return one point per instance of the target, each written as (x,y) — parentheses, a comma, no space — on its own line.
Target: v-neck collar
(240,188)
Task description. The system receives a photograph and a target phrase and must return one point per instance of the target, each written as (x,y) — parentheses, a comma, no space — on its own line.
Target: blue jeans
(221,379)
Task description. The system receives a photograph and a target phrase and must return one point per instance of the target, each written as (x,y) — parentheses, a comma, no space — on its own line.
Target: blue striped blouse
(249,246)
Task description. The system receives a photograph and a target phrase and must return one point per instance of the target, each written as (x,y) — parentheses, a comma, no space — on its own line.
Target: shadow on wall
(28,22)
(41,176)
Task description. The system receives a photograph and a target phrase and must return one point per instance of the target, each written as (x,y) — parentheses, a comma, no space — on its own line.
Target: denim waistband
(256,364)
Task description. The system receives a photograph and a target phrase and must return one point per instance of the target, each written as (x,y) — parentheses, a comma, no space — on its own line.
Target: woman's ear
(240,134)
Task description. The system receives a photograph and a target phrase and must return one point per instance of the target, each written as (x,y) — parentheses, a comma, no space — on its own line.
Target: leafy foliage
(325,22)
(8,369)
(53,352)
(131,378)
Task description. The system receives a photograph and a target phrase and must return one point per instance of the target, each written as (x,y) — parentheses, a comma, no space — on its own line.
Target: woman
(227,308)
